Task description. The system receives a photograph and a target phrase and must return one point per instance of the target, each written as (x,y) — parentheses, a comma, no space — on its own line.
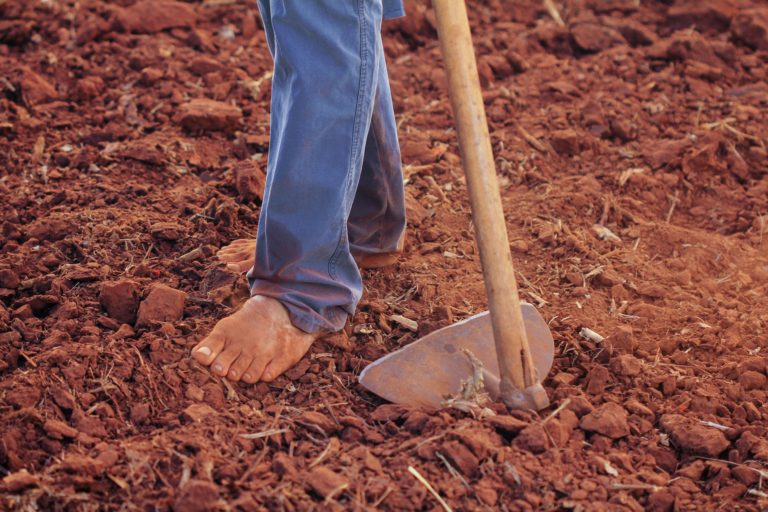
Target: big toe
(209,349)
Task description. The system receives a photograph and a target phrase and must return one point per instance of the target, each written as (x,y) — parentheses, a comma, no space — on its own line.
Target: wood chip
(409,324)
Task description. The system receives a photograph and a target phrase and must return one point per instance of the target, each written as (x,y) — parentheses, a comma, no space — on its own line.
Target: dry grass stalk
(551,8)
(423,481)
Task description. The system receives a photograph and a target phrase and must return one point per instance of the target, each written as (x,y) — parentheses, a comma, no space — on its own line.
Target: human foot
(240,256)
(257,342)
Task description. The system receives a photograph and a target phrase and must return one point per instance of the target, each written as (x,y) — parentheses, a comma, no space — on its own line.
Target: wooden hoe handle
(520,387)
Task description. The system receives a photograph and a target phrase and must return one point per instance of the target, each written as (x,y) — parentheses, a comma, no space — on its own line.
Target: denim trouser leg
(328,64)
(377,220)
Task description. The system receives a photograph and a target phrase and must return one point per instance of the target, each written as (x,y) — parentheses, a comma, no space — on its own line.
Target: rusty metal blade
(433,367)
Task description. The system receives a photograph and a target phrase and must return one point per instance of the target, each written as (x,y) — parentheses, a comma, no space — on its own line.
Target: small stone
(693,437)
(163,304)
(663,152)
(622,339)
(9,279)
(63,398)
(87,88)
(597,379)
(120,299)
(23,312)
(460,457)
(23,397)
(636,407)
(198,412)
(316,420)
(324,482)
(201,40)
(203,65)
(56,429)
(388,412)
(580,405)
(150,75)
(249,182)
(140,413)
(153,16)
(506,424)
(565,142)
(209,115)
(533,438)
(416,421)
(745,475)
(609,419)
(81,465)
(35,89)
(751,26)
(661,501)
(19,481)
(592,37)
(197,496)
(626,365)
(168,231)
(752,380)
(284,466)
(519,246)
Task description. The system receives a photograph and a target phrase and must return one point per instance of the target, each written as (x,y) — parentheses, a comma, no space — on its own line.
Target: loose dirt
(631,146)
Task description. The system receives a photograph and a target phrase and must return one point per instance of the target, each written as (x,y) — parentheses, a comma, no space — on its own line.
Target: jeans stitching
(355,134)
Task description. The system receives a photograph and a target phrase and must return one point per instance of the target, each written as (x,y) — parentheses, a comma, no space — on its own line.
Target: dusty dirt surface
(631,146)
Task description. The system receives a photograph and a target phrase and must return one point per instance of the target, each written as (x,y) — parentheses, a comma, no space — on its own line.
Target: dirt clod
(197,496)
(163,304)
(609,419)
(120,299)
(693,437)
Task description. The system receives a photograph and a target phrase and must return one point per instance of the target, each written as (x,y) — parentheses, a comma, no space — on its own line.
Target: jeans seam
(355,134)
(386,206)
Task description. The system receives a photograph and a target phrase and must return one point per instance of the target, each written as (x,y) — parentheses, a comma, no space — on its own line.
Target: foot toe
(277,367)
(239,367)
(253,373)
(208,349)
(240,266)
(224,361)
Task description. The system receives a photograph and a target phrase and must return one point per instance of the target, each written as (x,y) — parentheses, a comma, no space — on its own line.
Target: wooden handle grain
(515,362)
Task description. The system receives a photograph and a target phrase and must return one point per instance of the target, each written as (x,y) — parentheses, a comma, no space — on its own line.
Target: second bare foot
(256,343)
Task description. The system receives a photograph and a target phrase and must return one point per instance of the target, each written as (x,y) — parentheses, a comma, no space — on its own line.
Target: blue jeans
(334,178)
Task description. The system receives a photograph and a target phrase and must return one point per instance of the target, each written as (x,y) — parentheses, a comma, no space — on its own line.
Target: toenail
(205,351)
(233,374)
(217,368)
(247,376)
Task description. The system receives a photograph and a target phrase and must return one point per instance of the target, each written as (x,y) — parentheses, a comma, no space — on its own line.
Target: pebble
(692,437)
(163,304)
(609,419)
(209,115)
(120,299)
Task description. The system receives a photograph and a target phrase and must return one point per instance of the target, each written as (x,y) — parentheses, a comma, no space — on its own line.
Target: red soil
(631,146)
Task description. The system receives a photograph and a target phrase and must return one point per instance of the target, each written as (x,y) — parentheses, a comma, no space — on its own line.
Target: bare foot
(257,342)
(241,254)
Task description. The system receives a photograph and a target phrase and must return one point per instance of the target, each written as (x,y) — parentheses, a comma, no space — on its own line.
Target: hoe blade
(432,368)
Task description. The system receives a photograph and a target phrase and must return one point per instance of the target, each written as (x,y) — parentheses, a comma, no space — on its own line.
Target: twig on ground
(551,8)
(674,200)
(556,411)
(265,433)
(533,141)
(634,487)
(426,484)
(455,474)
(591,335)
